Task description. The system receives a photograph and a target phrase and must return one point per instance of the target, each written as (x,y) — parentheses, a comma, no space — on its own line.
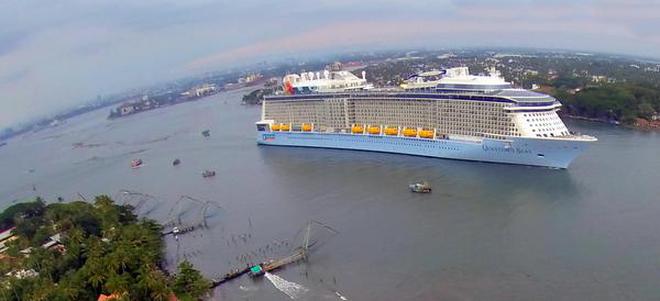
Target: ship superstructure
(442,113)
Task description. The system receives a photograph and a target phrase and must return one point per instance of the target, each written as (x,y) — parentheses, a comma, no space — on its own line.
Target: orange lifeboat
(307,127)
(391,130)
(373,130)
(410,132)
(284,127)
(275,127)
(426,133)
(357,129)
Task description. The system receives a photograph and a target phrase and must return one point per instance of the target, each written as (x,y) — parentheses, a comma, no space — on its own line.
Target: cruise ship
(448,114)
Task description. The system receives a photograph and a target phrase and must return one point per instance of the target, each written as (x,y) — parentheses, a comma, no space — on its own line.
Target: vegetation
(619,102)
(105,249)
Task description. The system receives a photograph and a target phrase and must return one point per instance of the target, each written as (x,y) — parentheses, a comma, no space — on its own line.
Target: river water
(487,232)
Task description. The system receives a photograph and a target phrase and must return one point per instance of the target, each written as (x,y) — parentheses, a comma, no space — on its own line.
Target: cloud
(57,54)
(497,26)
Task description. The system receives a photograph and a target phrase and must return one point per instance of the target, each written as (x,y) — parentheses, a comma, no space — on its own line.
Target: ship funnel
(364,75)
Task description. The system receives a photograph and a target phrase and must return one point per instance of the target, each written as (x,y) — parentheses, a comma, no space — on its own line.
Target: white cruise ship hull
(554,153)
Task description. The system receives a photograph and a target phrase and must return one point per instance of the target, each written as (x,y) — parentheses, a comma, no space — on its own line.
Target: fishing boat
(176,162)
(208,173)
(206,133)
(421,187)
(136,163)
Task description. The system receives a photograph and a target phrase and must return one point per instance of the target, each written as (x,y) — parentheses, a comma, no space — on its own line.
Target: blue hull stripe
(555,153)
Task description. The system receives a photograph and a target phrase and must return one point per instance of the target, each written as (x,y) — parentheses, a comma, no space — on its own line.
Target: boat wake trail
(291,289)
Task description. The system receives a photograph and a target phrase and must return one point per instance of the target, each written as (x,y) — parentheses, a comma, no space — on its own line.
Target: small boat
(176,162)
(256,271)
(421,187)
(136,163)
(206,133)
(208,173)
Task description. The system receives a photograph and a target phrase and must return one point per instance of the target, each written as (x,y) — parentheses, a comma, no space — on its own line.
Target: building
(599,78)
(200,91)
(22,274)
(5,237)
(53,241)
(127,108)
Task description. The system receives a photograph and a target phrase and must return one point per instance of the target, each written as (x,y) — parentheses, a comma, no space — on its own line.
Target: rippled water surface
(487,232)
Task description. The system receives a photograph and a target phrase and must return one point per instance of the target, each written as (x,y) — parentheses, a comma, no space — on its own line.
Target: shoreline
(649,125)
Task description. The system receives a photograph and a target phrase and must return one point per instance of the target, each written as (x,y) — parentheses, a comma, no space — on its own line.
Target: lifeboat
(307,127)
(275,127)
(426,133)
(410,132)
(284,127)
(391,130)
(357,129)
(373,130)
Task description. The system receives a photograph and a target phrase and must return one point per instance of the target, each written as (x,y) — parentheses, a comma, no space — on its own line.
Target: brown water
(487,232)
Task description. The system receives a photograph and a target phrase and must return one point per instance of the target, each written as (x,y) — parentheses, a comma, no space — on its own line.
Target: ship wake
(293,290)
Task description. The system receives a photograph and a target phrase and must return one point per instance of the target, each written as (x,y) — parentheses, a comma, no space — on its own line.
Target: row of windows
(451,117)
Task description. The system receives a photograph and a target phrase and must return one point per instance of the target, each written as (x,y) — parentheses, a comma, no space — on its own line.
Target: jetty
(300,253)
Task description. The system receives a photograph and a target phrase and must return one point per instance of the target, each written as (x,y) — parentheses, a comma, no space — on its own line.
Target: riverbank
(639,124)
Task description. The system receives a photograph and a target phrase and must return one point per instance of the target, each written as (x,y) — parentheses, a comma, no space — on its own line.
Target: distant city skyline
(55,55)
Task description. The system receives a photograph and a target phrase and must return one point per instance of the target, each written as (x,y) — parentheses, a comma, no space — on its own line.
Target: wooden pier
(300,253)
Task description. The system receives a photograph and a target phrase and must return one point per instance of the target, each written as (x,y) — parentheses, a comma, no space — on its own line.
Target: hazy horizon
(58,55)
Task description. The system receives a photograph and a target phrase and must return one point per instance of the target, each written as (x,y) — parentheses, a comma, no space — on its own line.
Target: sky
(59,54)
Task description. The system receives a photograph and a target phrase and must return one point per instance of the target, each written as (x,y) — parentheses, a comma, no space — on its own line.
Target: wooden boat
(420,187)
(136,163)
